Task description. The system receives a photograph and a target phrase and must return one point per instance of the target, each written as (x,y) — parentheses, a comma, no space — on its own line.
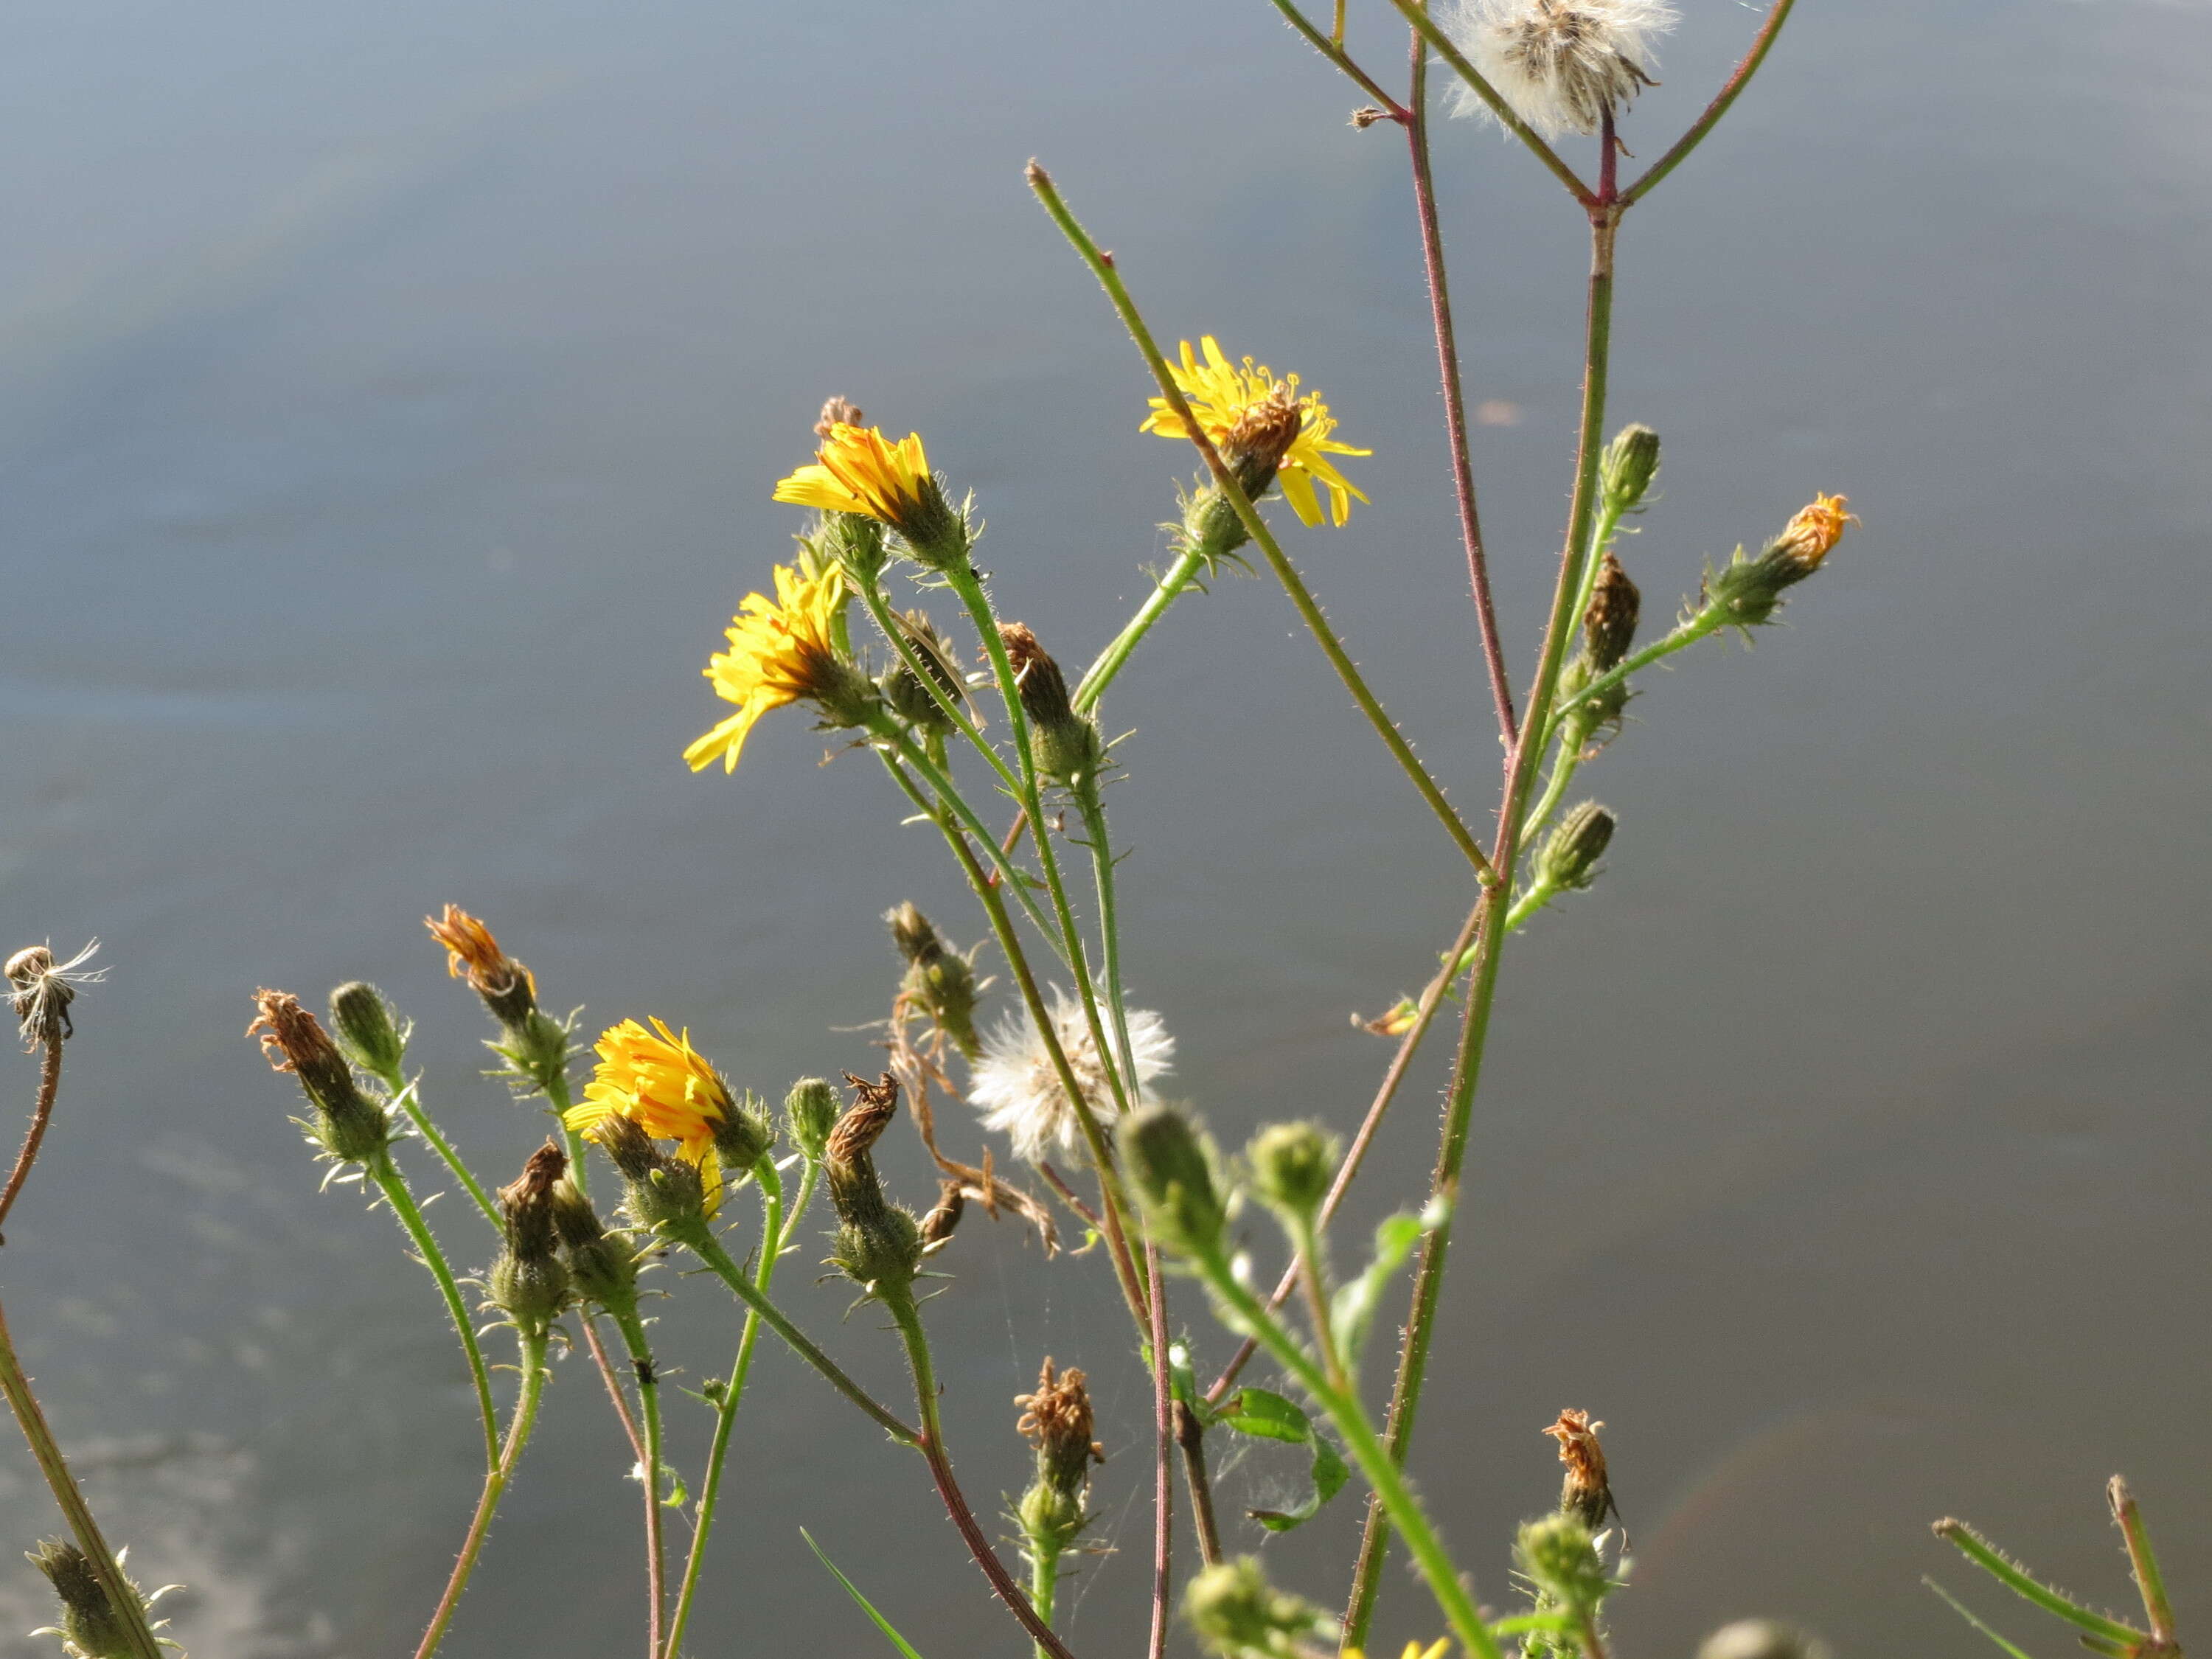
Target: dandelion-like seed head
(1560,65)
(782,651)
(1019,1091)
(1264,427)
(44,988)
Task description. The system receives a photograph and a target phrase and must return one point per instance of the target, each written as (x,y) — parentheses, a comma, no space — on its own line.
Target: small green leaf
(1267,1416)
(881,1623)
(1353,1310)
(1966,1613)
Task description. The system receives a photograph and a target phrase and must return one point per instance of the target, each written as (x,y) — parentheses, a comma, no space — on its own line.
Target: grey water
(390,400)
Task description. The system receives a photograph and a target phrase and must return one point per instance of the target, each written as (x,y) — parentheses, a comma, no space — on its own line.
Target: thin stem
(1710,620)
(704,1244)
(1689,141)
(1333,51)
(42,1113)
(559,1101)
(604,1365)
(1301,596)
(47,1453)
(1520,777)
(1190,1436)
(495,1488)
(1425,1013)
(1445,1584)
(900,1302)
(1162,1439)
(1979,1550)
(648,1404)
(408,1097)
(1309,1262)
(1593,1644)
(1414,14)
(393,1185)
(2149,1580)
(1110,930)
(776,1233)
(1044,1586)
(1440,312)
(878,609)
(1169,587)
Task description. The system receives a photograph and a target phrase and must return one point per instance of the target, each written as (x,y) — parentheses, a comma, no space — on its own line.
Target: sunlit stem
(393,1185)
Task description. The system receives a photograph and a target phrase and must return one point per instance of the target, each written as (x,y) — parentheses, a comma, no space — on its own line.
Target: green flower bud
(602,1266)
(91,1627)
(347,1124)
(1173,1169)
(939,980)
(743,1135)
(662,1194)
(878,1244)
(1234,1612)
(1569,861)
(1292,1164)
(1064,744)
(1211,526)
(369,1033)
(810,1112)
(854,542)
(1630,464)
(1557,1553)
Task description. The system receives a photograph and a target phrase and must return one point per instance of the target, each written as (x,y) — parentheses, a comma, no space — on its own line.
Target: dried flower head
(1019,1091)
(836,412)
(44,989)
(878,1244)
(1561,65)
(510,990)
(1057,1420)
(782,651)
(348,1125)
(1584,1493)
(1066,745)
(858,469)
(1248,414)
(1609,624)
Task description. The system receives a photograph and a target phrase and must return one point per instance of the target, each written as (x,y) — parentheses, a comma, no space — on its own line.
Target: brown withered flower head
(1262,435)
(837,412)
(43,990)
(1057,1420)
(510,990)
(348,1125)
(527,1201)
(1584,1493)
(1065,744)
(951,1204)
(878,1244)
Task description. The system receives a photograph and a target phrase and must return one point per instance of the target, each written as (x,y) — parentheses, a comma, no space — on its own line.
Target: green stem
(900,1301)
(2149,1582)
(1306,1240)
(495,1488)
(1110,931)
(1170,588)
(559,1100)
(1044,1584)
(1497,106)
(776,1235)
(879,612)
(1301,596)
(1445,1581)
(1333,51)
(1727,96)
(1520,777)
(408,1097)
(393,1185)
(1710,620)
(702,1244)
(648,1402)
(47,1453)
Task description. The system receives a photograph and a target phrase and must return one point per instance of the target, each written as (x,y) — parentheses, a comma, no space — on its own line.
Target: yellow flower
(1414,1651)
(863,471)
(781,650)
(1224,395)
(660,1082)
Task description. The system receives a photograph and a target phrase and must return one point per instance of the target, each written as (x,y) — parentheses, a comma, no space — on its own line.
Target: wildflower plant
(882,625)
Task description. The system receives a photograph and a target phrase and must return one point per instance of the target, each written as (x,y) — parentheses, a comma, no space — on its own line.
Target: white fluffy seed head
(1018,1089)
(1559,64)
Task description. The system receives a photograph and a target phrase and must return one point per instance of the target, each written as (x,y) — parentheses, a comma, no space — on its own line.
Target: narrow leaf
(1268,1415)
(1353,1310)
(1966,1613)
(881,1623)
(1984,1555)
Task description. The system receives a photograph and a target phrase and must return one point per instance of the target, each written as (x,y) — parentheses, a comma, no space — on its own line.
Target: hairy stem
(1190,1436)
(649,1459)
(1162,1439)
(1776,15)
(393,1185)
(42,1113)
(408,1097)
(1170,588)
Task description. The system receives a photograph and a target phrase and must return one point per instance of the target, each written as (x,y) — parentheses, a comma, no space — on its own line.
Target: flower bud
(368,1032)
(602,1266)
(939,980)
(1234,1612)
(1556,1551)
(1748,591)
(1173,1171)
(529,1282)
(1569,861)
(1292,1164)
(854,543)
(1630,464)
(1609,624)
(743,1135)
(910,699)
(1064,744)
(810,1112)
(348,1125)
(878,1245)
(91,1627)
(662,1194)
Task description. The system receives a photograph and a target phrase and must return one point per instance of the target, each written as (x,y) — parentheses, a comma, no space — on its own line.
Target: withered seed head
(878,1245)
(1057,1419)
(527,1202)
(836,413)
(1066,744)
(1584,1493)
(1263,433)
(348,1124)
(43,990)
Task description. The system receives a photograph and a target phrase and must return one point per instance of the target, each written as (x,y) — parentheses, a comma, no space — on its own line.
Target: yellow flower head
(660,1082)
(1233,402)
(1414,1651)
(781,650)
(859,471)
(1817,528)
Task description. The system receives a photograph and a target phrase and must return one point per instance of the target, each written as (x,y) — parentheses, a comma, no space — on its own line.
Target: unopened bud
(1630,464)
(939,980)
(1064,744)
(810,1112)
(1292,1164)
(662,1194)
(347,1124)
(91,1626)
(1234,1611)
(743,1134)
(1569,861)
(367,1031)
(909,698)
(852,542)
(1748,591)
(602,1266)
(878,1245)
(1557,1553)
(1174,1172)
(1609,624)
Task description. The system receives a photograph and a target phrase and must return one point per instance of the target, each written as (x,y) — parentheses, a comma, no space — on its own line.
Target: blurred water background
(390,398)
